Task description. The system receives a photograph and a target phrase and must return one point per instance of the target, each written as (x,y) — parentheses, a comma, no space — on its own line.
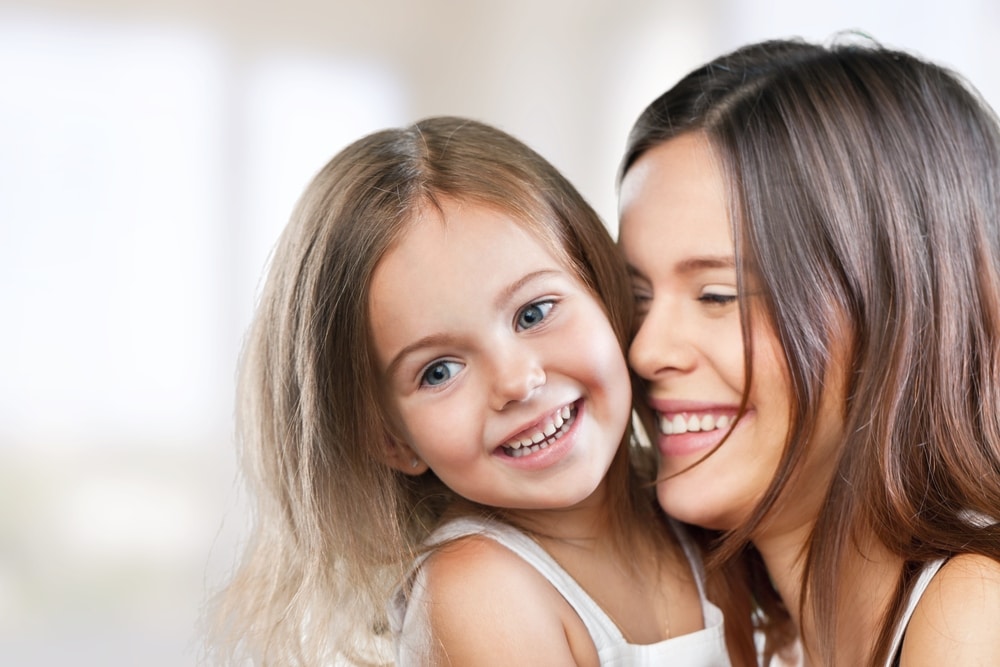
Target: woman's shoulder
(482,599)
(956,619)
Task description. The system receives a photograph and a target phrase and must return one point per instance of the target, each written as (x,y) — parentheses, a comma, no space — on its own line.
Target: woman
(814,238)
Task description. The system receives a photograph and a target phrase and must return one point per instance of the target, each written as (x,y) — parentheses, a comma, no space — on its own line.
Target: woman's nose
(660,345)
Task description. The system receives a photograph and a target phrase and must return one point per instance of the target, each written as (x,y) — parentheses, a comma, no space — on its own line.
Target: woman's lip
(696,440)
(689,443)
(672,406)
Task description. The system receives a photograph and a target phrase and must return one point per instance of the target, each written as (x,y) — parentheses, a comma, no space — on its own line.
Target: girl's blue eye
(440,372)
(532,314)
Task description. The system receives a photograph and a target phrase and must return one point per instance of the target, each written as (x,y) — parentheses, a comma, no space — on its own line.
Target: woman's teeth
(680,424)
(548,431)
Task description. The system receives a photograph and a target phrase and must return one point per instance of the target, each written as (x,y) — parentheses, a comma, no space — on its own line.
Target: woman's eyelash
(641,295)
(718,296)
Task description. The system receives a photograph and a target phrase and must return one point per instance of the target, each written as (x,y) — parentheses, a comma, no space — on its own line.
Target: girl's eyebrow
(433,340)
(508,292)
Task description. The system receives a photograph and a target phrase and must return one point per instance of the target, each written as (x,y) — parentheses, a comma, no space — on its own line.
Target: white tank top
(930,569)
(703,648)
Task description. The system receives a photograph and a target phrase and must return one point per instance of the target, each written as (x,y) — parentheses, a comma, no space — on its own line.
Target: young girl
(814,235)
(435,402)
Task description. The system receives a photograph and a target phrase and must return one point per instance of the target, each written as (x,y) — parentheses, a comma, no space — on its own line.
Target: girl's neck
(635,572)
(584,522)
(867,580)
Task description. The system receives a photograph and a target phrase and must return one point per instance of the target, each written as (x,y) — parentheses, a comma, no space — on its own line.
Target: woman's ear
(400,456)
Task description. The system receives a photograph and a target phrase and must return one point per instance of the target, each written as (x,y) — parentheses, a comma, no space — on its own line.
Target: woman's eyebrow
(693,265)
(700,263)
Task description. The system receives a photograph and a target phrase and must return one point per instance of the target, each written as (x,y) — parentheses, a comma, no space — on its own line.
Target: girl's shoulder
(956,619)
(487,605)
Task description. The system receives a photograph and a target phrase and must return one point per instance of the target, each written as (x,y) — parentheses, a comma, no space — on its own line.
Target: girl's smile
(542,434)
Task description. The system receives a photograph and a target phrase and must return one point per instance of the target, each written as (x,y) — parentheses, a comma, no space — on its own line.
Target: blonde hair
(335,527)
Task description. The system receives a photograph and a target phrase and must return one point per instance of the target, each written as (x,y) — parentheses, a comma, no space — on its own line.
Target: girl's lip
(536,425)
(552,450)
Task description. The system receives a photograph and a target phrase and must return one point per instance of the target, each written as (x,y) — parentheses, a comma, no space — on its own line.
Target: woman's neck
(867,579)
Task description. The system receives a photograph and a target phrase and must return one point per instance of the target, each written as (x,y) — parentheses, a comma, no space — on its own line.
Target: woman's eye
(718,295)
(440,372)
(532,314)
(642,299)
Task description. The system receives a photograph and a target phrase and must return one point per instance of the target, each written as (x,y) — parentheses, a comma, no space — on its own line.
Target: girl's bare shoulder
(487,606)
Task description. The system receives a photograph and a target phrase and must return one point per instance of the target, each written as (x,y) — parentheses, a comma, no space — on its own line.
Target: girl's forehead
(542,226)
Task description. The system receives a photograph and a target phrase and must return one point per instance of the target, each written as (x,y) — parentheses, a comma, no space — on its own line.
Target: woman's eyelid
(720,289)
(639,283)
(717,295)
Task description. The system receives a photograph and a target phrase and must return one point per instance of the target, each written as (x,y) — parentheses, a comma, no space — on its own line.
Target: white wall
(151,151)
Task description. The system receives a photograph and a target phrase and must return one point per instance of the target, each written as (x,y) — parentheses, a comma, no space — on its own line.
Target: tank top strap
(600,626)
(923,580)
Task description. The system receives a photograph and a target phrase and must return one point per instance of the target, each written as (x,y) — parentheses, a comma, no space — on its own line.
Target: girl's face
(503,373)
(675,234)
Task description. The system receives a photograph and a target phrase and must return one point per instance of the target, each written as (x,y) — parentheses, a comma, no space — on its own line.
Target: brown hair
(335,527)
(864,188)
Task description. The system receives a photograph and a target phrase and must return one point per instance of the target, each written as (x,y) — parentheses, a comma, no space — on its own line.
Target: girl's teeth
(534,442)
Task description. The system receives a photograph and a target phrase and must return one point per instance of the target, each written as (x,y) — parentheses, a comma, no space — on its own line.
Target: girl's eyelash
(442,371)
(439,372)
(537,312)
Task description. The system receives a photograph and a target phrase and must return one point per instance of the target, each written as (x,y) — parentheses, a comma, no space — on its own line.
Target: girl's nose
(517,374)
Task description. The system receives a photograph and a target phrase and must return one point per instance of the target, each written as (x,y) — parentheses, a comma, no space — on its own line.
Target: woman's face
(675,234)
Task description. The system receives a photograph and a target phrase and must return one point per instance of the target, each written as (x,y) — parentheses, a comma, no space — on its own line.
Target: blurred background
(150,153)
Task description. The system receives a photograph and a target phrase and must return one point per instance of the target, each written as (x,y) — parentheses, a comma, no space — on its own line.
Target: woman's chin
(690,506)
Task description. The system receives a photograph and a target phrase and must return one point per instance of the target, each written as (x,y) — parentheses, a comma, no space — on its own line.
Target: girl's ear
(400,456)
